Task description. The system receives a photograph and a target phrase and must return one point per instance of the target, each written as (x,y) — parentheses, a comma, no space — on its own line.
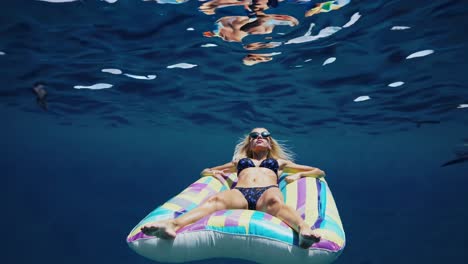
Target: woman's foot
(165,230)
(307,237)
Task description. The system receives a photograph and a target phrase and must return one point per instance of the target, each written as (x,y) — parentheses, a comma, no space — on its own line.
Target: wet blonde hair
(278,150)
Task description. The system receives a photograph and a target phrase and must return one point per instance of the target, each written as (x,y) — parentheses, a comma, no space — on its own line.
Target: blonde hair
(278,150)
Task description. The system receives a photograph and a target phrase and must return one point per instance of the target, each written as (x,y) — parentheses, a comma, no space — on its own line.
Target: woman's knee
(217,201)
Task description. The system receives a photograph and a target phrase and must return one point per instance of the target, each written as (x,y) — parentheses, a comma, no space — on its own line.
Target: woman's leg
(272,202)
(231,199)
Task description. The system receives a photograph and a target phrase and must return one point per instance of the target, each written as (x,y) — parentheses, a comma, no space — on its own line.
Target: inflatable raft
(245,234)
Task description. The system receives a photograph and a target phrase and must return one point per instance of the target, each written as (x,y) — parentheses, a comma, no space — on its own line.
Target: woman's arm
(229,167)
(297,171)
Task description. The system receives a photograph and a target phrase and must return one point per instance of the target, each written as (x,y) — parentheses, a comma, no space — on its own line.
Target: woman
(235,28)
(258,160)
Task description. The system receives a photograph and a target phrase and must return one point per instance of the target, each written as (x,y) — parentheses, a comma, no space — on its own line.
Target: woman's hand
(216,173)
(293,177)
(220,173)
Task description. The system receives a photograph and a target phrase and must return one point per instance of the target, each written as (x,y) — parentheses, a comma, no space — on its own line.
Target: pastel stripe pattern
(326,7)
(311,197)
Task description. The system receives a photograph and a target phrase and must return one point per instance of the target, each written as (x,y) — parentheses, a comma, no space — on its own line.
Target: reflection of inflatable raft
(245,234)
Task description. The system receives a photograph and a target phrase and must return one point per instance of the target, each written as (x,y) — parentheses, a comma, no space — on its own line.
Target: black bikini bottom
(253,194)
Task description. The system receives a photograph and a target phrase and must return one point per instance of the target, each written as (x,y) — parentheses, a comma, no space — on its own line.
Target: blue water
(82,173)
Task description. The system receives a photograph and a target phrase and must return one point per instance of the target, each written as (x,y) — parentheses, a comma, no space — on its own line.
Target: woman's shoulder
(238,159)
(283,162)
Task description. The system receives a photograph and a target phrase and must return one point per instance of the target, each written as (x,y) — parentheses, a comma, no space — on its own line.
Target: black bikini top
(269,163)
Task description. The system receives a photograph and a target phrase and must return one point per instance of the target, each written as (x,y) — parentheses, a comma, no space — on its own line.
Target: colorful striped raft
(245,234)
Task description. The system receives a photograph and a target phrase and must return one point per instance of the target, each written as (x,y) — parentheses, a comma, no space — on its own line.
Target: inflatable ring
(245,234)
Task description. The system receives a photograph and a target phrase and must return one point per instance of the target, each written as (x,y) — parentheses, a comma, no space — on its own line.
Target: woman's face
(259,142)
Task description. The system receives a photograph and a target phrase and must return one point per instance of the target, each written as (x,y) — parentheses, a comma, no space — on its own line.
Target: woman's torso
(258,176)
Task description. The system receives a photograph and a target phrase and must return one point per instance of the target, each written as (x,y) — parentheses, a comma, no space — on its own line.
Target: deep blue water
(82,173)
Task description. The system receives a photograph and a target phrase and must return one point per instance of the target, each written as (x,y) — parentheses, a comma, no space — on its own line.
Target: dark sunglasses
(255,135)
